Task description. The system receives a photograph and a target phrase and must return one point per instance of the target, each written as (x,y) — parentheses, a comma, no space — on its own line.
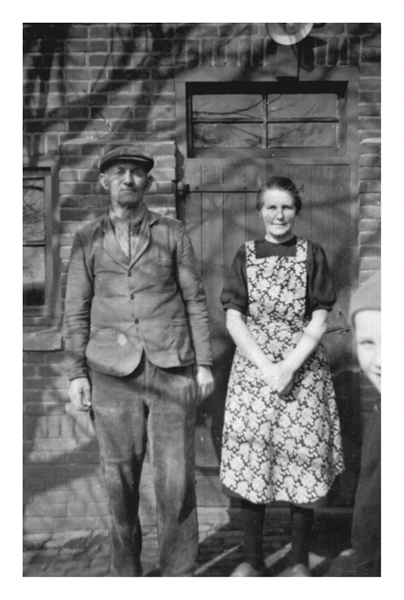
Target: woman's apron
(280,448)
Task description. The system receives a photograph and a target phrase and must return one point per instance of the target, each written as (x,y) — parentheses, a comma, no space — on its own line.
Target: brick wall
(90,85)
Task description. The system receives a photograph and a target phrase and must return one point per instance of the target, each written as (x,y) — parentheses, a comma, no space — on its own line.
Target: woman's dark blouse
(320,292)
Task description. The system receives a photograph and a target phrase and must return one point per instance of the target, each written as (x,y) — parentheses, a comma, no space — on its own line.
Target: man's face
(126,182)
(368,344)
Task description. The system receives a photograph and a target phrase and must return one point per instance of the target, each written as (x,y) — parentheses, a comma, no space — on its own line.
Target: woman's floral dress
(280,448)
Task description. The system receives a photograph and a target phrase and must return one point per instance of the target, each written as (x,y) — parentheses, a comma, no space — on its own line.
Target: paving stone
(33,541)
(71,535)
(27,556)
(87,553)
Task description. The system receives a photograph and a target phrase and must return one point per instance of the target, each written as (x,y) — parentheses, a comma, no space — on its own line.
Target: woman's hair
(280,183)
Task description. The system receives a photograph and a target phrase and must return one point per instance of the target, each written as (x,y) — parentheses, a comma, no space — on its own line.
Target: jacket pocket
(101,349)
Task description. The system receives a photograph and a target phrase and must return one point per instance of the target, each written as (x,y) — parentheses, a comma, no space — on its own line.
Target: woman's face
(278,212)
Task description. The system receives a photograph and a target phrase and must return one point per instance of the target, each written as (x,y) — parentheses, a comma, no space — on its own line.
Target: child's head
(365,314)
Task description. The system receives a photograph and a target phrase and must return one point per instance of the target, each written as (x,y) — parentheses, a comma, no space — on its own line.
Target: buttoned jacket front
(116,309)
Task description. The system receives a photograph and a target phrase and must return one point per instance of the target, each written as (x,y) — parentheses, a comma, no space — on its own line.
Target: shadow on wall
(46,50)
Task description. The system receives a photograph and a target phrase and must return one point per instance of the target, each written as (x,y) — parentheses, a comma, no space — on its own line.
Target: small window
(272,117)
(40,246)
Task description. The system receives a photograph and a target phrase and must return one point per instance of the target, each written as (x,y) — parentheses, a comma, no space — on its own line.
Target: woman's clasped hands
(279,377)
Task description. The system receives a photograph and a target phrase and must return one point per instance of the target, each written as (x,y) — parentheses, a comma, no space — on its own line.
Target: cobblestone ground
(87,553)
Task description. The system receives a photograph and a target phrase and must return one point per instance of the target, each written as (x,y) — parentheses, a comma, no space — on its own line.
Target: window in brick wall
(40,246)
(266,119)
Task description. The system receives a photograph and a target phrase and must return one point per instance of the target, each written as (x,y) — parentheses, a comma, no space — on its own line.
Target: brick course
(88,85)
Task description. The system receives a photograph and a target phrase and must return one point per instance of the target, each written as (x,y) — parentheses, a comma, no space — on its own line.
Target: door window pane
(227,135)
(292,135)
(227,106)
(302,106)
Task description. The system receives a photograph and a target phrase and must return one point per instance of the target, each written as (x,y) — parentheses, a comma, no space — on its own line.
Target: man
(138,350)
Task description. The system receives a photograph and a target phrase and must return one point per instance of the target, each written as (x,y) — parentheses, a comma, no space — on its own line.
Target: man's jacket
(115,310)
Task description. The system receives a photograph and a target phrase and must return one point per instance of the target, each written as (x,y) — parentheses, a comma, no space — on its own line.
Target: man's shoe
(244,570)
(299,571)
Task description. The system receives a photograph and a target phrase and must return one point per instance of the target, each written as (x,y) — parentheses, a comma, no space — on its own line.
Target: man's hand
(204,381)
(80,393)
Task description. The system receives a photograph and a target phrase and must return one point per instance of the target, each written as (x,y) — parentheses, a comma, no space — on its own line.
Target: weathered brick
(33,409)
(370,123)
(366,135)
(77,510)
(59,497)
(66,426)
(97,494)
(370,212)
(79,74)
(77,458)
(369,186)
(369,199)
(370,263)
(33,524)
(370,83)
(201,30)
(50,370)
(56,510)
(369,97)
(45,383)
(34,480)
(30,371)
(75,60)
(363,28)
(370,173)
(35,510)
(371,50)
(369,110)
(68,214)
(78,31)
(369,237)
(97,508)
(369,225)
(100,31)
(370,148)
(333,44)
(369,251)
(55,444)
(73,46)
(53,423)
(98,46)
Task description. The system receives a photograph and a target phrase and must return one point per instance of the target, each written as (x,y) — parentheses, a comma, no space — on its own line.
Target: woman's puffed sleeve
(235,291)
(321,293)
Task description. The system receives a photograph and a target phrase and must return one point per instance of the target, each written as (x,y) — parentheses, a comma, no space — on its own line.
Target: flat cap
(128,154)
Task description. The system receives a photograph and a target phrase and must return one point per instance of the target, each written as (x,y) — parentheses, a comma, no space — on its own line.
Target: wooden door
(219,212)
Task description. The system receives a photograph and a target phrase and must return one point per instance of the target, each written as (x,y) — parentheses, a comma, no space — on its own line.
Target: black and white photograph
(202,283)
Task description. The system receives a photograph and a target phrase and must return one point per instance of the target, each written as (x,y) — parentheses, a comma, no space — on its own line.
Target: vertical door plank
(213,276)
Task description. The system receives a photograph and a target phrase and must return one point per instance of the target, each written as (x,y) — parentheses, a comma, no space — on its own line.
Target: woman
(281,438)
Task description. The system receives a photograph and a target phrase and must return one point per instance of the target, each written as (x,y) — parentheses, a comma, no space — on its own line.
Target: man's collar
(133,222)
(149,216)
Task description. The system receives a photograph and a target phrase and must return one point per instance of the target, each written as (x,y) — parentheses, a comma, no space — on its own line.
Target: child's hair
(367,296)
(280,183)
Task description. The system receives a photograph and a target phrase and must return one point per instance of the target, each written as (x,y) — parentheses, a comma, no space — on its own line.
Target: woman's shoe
(299,570)
(244,570)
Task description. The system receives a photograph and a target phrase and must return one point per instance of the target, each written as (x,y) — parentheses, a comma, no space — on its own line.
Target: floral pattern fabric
(280,448)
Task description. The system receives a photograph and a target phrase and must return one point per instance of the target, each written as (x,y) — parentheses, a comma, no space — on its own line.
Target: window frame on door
(343,74)
(265,90)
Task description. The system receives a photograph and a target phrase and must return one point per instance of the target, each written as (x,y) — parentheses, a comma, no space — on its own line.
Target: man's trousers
(154,406)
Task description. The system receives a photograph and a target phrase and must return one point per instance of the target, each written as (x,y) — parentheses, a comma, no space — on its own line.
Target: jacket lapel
(144,237)
(111,245)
